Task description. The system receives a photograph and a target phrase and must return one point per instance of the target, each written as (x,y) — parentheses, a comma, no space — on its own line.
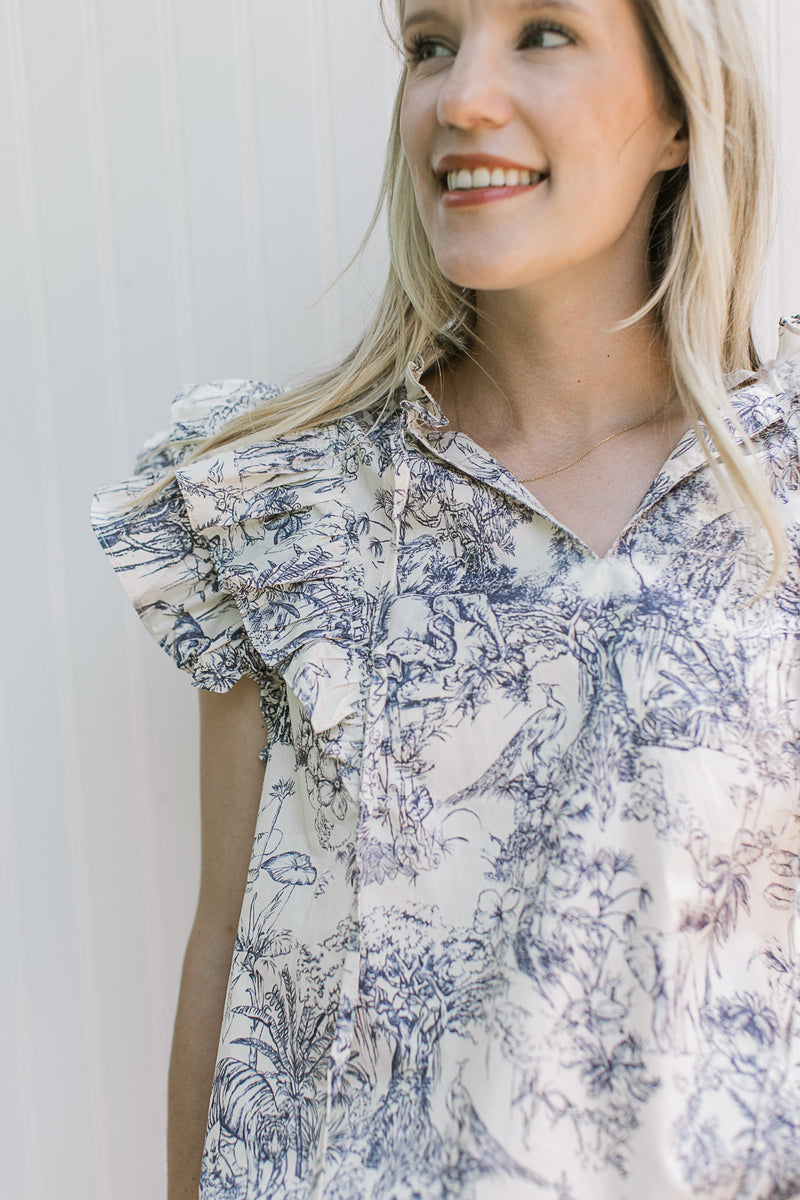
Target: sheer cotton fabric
(521,916)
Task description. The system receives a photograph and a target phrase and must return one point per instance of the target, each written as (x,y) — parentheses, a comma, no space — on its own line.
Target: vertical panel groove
(106,240)
(324,158)
(118,405)
(769,300)
(253,192)
(178,195)
(54,550)
(18,981)
(151,897)
(776,71)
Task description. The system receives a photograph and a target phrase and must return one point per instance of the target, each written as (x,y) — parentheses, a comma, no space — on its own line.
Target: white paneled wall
(180,181)
(780,23)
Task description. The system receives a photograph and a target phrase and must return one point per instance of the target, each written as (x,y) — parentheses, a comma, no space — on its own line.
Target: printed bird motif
(541,728)
(481,1153)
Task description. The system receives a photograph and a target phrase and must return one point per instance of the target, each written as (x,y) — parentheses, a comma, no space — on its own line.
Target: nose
(475,92)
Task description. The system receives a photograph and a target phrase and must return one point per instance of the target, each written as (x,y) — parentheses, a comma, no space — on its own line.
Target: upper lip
(471,162)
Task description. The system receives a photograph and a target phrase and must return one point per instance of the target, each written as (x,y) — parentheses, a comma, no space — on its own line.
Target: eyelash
(415,50)
(548,27)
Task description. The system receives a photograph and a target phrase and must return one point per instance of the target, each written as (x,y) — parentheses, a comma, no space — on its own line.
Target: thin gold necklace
(574,461)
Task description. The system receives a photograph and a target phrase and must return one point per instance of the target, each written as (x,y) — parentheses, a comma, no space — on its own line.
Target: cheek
(417,132)
(410,131)
(573,126)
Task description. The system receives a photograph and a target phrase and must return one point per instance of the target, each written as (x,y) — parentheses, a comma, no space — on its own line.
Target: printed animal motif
(244,1106)
(521,915)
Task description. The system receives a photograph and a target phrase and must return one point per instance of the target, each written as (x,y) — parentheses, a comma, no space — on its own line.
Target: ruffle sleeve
(249,563)
(788,360)
(278,523)
(166,569)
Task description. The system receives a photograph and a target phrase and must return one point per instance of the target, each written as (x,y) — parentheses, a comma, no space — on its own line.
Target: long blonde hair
(709,240)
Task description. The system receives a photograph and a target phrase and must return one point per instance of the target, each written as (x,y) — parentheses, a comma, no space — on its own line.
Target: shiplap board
(182,179)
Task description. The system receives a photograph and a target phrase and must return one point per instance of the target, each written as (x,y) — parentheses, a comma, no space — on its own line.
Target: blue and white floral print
(522,911)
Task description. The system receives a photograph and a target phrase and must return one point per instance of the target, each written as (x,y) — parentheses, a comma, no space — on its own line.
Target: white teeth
(481,177)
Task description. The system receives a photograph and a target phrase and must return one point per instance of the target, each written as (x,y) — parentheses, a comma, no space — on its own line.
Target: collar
(767,398)
(419,405)
(761,398)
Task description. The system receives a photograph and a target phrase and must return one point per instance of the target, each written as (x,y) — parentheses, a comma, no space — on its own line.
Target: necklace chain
(574,461)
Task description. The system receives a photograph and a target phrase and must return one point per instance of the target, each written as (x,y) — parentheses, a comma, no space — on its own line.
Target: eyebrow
(524,6)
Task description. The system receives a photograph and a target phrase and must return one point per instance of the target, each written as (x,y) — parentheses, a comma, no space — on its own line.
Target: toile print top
(521,919)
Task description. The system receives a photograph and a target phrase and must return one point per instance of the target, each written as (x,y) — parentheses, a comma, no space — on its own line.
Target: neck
(547,359)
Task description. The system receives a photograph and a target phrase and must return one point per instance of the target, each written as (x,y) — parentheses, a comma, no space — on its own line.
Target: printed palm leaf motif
(580,819)
(295,1038)
(724,882)
(707,689)
(257,940)
(268,838)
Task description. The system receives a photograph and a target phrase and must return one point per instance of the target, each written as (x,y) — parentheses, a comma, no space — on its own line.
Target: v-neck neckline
(758,406)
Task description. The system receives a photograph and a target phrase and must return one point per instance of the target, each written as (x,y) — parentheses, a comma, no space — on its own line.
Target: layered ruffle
(247,563)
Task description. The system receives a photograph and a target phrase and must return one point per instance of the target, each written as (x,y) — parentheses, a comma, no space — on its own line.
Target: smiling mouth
(482,177)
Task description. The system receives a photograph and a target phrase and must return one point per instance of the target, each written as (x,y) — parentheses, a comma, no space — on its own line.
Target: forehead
(437,7)
(604,12)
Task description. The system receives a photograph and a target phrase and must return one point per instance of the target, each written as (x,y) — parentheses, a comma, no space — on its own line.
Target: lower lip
(474,197)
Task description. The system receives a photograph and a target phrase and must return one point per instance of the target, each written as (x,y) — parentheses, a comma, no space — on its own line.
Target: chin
(480,276)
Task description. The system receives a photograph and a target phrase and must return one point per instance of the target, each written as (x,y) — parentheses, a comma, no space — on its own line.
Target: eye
(544,35)
(422,48)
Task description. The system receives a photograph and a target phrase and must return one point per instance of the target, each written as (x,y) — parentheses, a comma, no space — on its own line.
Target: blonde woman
(496,627)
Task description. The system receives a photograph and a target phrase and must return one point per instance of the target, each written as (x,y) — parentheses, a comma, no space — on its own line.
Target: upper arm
(232,735)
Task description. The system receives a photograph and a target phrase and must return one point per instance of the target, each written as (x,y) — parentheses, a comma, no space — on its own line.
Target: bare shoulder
(232,735)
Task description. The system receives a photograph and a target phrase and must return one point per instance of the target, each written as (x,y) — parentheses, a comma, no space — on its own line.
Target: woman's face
(536,137)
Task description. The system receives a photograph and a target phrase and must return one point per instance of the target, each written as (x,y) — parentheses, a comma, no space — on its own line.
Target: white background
(179,181)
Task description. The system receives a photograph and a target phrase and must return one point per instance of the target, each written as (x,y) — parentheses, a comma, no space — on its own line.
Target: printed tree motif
(295,1036)
(420,980)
